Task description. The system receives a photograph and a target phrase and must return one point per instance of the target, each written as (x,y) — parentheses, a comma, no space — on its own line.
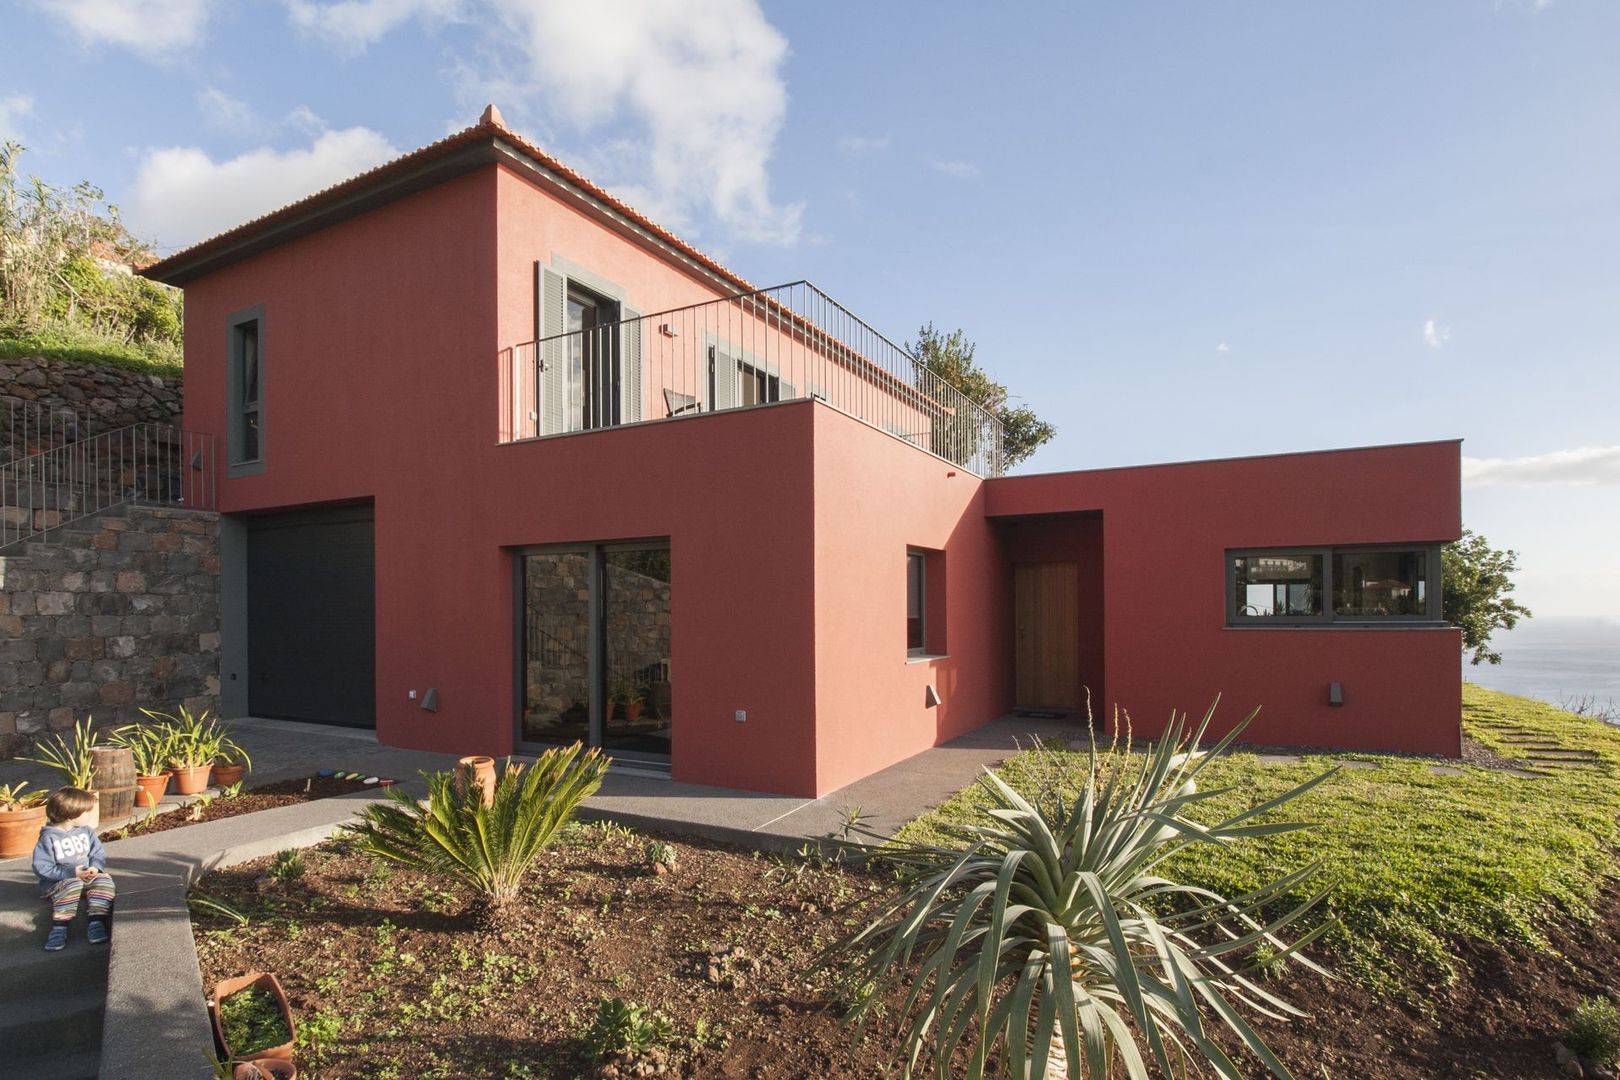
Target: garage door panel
(311,617)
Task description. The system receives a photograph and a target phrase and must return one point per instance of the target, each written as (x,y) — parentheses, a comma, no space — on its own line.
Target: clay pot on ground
(192,781)
(265,1069)
(254,980)
(632,711)
(151,789)
(226,775)
(478,770)
(19,831)
(114,781)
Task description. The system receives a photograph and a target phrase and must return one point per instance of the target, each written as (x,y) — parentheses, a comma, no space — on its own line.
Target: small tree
(1478,584)
(950,356)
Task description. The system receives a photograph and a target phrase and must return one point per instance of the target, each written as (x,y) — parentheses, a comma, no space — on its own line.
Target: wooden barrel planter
(114,781)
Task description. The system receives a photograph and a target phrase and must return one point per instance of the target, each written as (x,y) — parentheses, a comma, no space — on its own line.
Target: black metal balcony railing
(777,344)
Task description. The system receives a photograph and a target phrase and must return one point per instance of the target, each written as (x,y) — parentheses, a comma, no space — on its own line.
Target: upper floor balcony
(607,367)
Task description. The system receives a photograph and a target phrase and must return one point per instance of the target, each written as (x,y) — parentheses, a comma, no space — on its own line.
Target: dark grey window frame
(235,426)
(596,657)
(920,649)
(1433,614)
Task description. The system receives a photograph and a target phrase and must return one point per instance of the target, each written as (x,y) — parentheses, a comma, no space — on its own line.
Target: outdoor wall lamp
(430,700)
(1335,694)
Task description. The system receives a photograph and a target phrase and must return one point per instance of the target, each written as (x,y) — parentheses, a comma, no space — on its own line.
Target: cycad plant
(487,849)
(1040,941)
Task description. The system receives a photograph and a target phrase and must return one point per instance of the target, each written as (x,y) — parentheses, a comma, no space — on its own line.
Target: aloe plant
(13,798)
(72,756)
(488,850)
(150,745)
(1042,934)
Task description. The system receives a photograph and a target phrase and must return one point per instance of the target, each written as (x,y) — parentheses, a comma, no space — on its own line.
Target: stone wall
(105,397)
(121,614)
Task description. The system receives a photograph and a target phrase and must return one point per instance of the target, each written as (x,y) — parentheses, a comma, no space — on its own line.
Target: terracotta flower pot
(261,980)
(226,775)
(19,831)
(152,789)
(265,1069)
(481,771)
(632,711)
(193,781)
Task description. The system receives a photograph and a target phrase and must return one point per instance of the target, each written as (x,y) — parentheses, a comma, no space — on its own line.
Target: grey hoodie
(62,851)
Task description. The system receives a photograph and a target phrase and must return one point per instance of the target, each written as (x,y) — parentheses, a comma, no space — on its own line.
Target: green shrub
(487,850)
(252,1021)
(1593,1030)
(624,1025)
(658,854)
(1041,926)
(287,866)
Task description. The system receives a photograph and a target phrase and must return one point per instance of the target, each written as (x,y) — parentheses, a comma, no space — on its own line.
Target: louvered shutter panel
(787,392)
(552,306)
(723,368)
(630,367)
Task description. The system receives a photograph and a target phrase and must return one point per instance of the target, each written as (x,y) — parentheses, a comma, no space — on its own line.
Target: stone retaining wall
(121,614)
(105,397)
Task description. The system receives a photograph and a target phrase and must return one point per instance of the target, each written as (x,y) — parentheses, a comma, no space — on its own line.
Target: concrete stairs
(51,1004)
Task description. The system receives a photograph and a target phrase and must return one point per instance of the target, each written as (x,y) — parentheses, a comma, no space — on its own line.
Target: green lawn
(85,347)
(1420,859)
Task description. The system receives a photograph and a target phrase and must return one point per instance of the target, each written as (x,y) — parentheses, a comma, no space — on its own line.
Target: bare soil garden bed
(388,978)
(264,797)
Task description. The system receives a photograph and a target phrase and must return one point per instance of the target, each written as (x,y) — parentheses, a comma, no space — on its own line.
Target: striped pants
(64,897)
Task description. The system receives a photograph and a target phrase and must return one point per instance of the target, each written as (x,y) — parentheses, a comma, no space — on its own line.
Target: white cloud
(225,113)
(963,170)
(12,109)
(355,24)
(152,27)
(1223,348)
(692,91)
(863,144)
(181,195)
(1586,466)
(1435,336)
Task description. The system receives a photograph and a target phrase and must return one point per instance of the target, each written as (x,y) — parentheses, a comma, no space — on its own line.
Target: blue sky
(1180,230)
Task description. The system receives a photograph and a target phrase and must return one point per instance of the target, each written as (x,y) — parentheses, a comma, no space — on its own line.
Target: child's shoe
(96,932)
(56,940)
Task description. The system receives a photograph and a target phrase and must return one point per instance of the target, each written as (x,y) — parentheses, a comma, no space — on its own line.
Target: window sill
(1346,624)
(927,658)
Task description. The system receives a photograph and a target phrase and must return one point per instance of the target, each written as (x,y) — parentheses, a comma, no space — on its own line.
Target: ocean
(1558,660)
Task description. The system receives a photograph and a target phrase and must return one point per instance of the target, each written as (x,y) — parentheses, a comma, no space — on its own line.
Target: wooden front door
(1047,624)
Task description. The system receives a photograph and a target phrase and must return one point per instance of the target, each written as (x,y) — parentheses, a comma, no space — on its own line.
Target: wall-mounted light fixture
(1336,694)
(930,696)
(430,700)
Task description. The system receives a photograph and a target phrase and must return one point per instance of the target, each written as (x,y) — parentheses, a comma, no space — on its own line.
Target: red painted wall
(875,497)
(1165,532)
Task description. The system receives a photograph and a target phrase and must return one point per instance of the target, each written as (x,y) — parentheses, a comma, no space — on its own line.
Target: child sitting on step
(70,863)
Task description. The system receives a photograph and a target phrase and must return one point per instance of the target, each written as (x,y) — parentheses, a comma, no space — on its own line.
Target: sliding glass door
(595,649)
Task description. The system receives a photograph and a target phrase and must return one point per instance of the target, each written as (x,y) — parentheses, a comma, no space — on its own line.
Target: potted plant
(231,762)
(634,701)
(74,757)
(194,742)
(252,1019)
(22,815)
(150,746)
(620,691)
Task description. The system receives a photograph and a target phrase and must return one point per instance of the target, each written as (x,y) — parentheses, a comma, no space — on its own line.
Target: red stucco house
(503,463)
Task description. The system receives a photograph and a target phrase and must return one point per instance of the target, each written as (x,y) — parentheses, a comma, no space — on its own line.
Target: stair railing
(143,464)
(31,427)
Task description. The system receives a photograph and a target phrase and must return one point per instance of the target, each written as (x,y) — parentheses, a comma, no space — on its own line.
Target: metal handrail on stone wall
(142,464)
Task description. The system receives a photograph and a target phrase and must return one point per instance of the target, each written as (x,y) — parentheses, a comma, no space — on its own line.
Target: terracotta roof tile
(489,125)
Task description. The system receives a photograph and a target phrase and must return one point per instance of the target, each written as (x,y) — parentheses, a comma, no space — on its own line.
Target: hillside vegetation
(1425,861)
(67,287)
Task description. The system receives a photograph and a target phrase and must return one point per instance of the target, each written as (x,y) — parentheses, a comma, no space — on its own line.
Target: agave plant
(72,757)
(488,849)
(1041,933)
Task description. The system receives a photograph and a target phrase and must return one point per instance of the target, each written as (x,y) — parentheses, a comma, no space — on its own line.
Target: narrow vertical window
(244,391)
(247,351)
(916,603)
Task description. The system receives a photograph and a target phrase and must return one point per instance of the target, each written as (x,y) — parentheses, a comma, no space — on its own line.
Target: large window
(1305,586)
(595,667)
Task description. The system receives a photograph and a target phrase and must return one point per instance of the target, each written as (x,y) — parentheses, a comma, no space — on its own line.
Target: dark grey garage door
(311,616)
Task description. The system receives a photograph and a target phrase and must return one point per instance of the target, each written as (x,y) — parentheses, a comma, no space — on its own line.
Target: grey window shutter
(552,305)
(788,391)
(723,372)
(630,366)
